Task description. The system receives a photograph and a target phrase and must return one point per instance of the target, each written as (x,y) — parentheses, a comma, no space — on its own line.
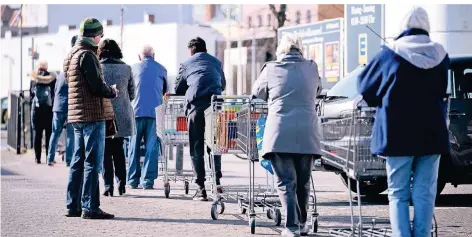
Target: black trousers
(196,131)
(114,163)
(42,122)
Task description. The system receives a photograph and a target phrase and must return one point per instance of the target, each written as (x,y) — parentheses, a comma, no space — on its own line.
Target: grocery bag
(260,126)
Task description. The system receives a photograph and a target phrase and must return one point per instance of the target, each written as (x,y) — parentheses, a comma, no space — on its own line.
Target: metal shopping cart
(220,138)
(171,128)
(236,120)
(346,145)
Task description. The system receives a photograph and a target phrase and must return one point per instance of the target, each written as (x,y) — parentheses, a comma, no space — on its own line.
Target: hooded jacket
(407,82)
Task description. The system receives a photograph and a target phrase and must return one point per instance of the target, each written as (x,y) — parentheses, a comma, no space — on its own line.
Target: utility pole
(229,66)
(253,56)
(240,66)
(121,30)
(20,95)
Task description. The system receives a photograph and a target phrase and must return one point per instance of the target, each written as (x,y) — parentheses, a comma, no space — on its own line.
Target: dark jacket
(407,82)
(150,78)
(117,72)
(89,96)
(43,90)
(199,78)
(61,93)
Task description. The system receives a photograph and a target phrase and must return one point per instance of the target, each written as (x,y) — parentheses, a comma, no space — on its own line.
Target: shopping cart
(259,199)
(220,138)
(231,127)
(171,129)
(346,145)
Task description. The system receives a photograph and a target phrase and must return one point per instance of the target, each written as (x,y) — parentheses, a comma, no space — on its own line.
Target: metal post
(229,67)
(19,101)
(121,29)
(240,66)
(253,56)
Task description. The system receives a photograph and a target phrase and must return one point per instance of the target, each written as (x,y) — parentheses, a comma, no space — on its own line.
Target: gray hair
(42,64)
(288,42)
(147,51)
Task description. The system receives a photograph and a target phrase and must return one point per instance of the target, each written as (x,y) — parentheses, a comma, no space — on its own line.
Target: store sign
(322,44)
(363,23)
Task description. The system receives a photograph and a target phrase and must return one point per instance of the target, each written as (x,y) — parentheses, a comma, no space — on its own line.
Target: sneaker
(97,215)
(148,187)
(73,213)
(51,164)
(288,233)
(304,229)
(200,195)
(38,161)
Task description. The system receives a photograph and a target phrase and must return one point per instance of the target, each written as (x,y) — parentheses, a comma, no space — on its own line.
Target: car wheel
(4,116)
(367,188)
(440,188)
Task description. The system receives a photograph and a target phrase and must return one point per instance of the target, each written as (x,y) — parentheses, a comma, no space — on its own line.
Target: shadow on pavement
(6,172)
(454,200)
(444,200)
(194,221)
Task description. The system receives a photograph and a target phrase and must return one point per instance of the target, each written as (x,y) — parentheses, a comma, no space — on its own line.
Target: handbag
(110,128)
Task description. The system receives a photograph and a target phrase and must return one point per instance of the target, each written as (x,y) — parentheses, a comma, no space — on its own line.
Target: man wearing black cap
(89,106)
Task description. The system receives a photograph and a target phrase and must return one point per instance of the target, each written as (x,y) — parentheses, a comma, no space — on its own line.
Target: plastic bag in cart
(260,127)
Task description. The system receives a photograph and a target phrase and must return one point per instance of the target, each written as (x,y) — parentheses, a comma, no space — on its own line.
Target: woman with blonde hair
(291,139)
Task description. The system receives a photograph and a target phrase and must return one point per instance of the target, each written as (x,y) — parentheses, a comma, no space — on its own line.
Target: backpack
(43,93)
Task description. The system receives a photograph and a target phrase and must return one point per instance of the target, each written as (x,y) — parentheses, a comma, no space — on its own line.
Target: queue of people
(108,100)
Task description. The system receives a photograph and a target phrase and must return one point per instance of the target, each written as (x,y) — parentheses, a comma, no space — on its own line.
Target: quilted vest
(83,106)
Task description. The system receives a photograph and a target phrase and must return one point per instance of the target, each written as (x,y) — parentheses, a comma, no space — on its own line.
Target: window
(298,17)
(308,16)
(249,22)
(460,82)
(269,20)
(259,20)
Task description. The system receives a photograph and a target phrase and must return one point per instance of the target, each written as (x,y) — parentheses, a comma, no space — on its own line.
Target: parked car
(4,105)
(455,168)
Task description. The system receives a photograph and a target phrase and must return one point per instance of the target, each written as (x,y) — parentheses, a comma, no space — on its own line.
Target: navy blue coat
(407,82)
(61,94)
(200,77)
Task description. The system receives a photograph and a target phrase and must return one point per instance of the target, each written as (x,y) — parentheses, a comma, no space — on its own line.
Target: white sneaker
(288,233)
(304,229)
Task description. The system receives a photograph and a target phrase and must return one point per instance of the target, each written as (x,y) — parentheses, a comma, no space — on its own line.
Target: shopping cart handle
(169,94)
(222,97)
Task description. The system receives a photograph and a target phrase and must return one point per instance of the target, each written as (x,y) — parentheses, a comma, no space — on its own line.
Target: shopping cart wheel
(167,190)
(252,224)
(269,214)
(277,217)
(222,206)
(242,210)
(314,224)
(186,187)
(214,211)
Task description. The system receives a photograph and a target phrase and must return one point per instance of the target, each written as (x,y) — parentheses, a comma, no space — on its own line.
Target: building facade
(51,17)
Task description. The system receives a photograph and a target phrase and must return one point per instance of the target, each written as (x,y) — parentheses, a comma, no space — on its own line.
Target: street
(33,204)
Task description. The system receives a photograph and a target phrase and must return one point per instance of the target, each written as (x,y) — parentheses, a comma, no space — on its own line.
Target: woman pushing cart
(291,139)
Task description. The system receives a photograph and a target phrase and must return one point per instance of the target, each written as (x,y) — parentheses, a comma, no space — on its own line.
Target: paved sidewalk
(33,204)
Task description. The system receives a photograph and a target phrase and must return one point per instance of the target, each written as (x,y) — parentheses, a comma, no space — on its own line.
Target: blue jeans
(58,121)
(145,128)
(85,166)
(422,190)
